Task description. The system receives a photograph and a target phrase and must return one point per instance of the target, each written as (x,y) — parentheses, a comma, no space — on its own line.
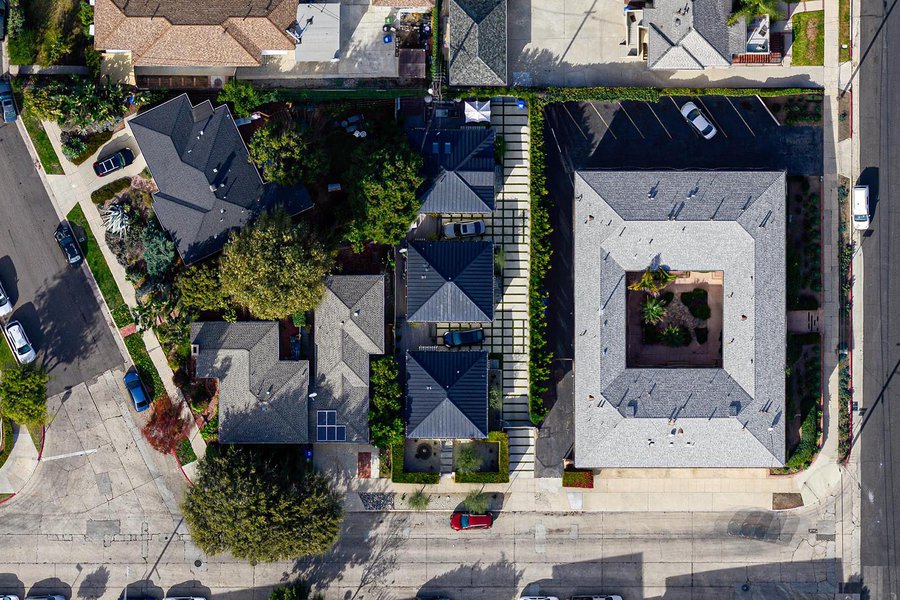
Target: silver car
(50,597)
(696,118)
(23,350)
(464,229)
(5,309)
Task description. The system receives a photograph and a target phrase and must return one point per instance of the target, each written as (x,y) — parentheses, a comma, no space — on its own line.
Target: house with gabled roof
(688,35)
(207,184)
(446,395)
(477,42)
(729,227)
(450,282)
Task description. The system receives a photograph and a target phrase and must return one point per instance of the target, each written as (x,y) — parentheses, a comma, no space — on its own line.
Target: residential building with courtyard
(679,319)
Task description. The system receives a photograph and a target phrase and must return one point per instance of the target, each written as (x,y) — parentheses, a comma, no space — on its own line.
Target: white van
(861,207)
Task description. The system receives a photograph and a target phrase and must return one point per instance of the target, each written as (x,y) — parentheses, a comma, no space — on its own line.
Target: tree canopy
(385,410)
(159,252)
(275,268)
(383,192)
(199,288)
(756,8)
(81,105)
(243,96)
(260,505)
(23,395)
(285,155)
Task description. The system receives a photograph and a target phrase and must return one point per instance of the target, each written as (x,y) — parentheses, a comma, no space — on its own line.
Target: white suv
(19,343)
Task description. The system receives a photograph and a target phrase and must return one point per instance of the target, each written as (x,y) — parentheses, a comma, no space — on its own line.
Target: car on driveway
(696,118)
(7,101)
(463,337)
(136,391)
(113,162)
(19,343)
(465,521)
(5,308)
(66,240)
(464,229)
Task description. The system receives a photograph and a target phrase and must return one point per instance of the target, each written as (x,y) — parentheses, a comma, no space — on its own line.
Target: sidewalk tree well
(261,505)
(282,150)
(243,97)
(382,190)
(477,502)
(167,425)
(298,590)
(386,425)
(275,268)
(23,395)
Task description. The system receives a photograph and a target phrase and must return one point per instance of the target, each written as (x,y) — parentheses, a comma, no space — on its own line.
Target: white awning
(478,111)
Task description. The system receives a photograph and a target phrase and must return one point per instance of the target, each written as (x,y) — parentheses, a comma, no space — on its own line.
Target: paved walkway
(20,464)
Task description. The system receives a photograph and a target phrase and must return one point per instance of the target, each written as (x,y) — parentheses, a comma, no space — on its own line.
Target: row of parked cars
(123,597)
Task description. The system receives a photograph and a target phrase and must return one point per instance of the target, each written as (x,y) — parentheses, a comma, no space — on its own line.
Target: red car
(462,521)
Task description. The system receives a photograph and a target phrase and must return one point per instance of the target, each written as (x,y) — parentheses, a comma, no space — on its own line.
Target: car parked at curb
(538,598)
(114,162)
(50,597)
(137,391)
(699,121)
(9,597)
(66,240)
(464,229)
(184,598)
(595,597)
(19,343)
(463,337)
(7,101)
(5,309)
(466,521)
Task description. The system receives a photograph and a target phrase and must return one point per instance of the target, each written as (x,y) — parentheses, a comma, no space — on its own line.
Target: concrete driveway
(52,300)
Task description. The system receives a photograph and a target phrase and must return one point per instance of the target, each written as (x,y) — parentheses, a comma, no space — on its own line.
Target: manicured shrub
(167,425)
(696,303)
(110,190)
(467,459)
(502,474)
(477,502)
(702,334)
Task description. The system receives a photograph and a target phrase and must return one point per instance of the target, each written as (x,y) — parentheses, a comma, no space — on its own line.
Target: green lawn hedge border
(185,453)
(398,475)
(109,191)
(144,365)
(502,475)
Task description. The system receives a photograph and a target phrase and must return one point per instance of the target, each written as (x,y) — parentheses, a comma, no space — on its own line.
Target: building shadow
(480,580)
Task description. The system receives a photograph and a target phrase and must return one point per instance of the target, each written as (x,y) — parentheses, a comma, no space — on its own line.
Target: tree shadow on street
(93,586)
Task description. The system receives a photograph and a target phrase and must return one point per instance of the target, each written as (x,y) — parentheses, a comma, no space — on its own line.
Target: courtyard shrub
(702,334)
(676,336)
(468,459)
(653,311)
(159,252)
(502,474)
(696,303)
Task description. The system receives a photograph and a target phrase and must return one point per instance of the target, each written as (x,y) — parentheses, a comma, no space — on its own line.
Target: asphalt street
(878,80)
(53,301)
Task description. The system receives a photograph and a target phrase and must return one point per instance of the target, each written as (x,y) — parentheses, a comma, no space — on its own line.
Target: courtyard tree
(243,96)
(653,311)
(386,410)
(653,281)
(159,251)
(23,395)
(275,268)
(383,192)
(284,153)
(199,288)
(467,459)
(261,505)
(756,8)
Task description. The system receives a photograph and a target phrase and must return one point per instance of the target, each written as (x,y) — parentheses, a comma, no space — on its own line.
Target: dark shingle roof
(262,400)
(693,35)
(207,184)
(446,395)
(459,167)
(349,328)
(478,42)
(450,282)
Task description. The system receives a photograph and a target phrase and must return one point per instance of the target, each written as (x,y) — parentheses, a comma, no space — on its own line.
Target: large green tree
(243,96)
(159,252)
(23,395)
(383,192)
(756,8)
(261,506)
(275,268)
(82,105)
(199,288)
(285,155)
(385,410)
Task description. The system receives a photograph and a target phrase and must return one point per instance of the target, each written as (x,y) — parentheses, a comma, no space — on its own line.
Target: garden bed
(493,472)
(6,439)
(809,39)
(844,116)
(185,453)
(573,478)
(804,243)
(803,406)
(52,32)
(797,109)
(399,475)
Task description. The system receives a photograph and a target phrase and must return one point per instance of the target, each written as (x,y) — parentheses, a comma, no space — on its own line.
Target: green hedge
(109,191)
(185,453)
(502,475)
(144,365)
(398,475)
(765,92)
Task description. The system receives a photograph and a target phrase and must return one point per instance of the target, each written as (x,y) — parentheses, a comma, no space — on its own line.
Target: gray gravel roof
(349,328)
(446,395)
(262,400)
(692,34)
(207,184)
(450,281)
(703,221)
(477,40)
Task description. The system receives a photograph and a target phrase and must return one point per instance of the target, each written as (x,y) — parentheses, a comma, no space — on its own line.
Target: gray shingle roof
(692,34)
(477,39)
(460,169)
(349,328)
(262,400)
(207,184)
(446,395)
(732,222)
(450,282)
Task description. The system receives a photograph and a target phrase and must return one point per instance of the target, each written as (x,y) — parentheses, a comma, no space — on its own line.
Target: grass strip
(8,441)
(144,365)
(185,453)
(844,30)
(36,434)
(40,139)
(809,50)
(7,360)
(102,275)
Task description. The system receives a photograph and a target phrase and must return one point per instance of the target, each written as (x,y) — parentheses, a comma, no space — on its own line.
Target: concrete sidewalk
(20,464)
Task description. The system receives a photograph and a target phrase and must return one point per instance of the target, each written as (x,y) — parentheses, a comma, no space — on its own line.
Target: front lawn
(41,141)
(6,445)
(844,29)
(809,39)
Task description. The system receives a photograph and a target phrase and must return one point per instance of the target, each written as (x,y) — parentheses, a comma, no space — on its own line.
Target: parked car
(184,598)
(113,162)
(136,391)
(463,337)
(19,343)
(698,120)
(861,207)
(5,308)
(594,597)
(10,597)
(464,521)
(464,229)
(538,598)
(7,100)
(50,597)
(66,240)
(4,14)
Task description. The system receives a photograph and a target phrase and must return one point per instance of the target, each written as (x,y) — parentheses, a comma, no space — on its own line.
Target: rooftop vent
(734,408)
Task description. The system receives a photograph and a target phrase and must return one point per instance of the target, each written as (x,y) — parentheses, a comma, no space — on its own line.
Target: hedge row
(502,475)
(398,475)
(109,191)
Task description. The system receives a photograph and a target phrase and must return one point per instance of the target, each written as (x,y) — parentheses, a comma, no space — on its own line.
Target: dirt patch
(801,109)
(804,243)
(844,116)
(785,500)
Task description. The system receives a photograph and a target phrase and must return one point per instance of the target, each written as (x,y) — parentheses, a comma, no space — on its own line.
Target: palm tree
(653,281)
(653,311)
(756,8)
